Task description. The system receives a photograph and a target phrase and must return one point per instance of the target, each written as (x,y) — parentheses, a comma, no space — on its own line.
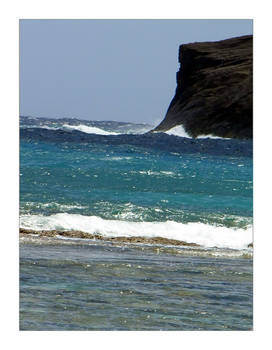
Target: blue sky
(122,70)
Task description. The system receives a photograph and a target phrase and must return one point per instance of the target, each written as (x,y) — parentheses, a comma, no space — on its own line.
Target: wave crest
(180,131)
(199,233)
(89,129)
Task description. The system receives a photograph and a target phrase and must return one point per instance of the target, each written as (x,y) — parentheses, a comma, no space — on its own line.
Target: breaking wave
(89,129)
(203,234)
(180,131)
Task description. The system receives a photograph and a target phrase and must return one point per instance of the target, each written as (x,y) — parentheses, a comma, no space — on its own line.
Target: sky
(123,70)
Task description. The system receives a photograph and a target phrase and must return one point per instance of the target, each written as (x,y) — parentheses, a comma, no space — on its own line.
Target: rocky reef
(98,237)
(214,89)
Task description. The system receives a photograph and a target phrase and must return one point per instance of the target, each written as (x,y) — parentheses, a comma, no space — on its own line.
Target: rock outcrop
(214,89)
(97,237)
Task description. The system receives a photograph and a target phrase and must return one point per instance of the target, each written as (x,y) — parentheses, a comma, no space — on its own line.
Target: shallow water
(105,287)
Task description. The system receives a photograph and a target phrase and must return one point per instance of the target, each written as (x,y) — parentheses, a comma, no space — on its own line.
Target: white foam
(108,158)
(199,233)
(212,137)
(154,173)
(56,205)
(178,131)
(48,127)
(137,131)
(39,127)
(89,129)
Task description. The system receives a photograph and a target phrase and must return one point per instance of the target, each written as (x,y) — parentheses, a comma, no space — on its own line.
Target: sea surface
(117,179)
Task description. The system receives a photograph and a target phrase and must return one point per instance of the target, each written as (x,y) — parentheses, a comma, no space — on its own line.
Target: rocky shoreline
(25,233)
(97,237)
(214,89)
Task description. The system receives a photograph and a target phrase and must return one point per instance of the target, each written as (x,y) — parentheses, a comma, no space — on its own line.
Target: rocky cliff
(214,89)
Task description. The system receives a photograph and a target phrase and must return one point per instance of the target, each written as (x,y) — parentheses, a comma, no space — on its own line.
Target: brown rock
(122,239)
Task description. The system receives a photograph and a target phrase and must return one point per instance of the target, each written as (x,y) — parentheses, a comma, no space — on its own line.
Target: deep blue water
(117,177)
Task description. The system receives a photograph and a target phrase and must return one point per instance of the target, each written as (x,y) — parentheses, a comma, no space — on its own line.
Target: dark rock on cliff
(214,89)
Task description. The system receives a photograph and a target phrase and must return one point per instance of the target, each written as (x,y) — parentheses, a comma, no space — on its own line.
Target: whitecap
(51,205)
(89,129)
(178,131)
(199,233)
(39,127)
(210,136)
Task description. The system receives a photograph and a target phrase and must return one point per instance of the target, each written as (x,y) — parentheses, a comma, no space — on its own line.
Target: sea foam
(199,233)
(89,129)
(180,131)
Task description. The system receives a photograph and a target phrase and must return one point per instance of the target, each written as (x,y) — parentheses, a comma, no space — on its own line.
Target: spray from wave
(180,131)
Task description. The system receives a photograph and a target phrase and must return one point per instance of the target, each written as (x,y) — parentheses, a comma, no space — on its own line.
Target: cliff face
(214,89)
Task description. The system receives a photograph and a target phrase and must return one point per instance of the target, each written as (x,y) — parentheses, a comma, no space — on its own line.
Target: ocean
(167,222)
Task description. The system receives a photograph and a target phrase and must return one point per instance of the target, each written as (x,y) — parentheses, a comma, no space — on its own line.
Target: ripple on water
(101,289)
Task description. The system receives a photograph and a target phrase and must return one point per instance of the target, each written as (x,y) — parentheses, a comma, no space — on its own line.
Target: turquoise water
(103,180)
(112,180)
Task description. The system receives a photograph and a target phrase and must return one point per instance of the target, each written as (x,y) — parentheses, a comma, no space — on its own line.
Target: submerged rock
(214,89)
